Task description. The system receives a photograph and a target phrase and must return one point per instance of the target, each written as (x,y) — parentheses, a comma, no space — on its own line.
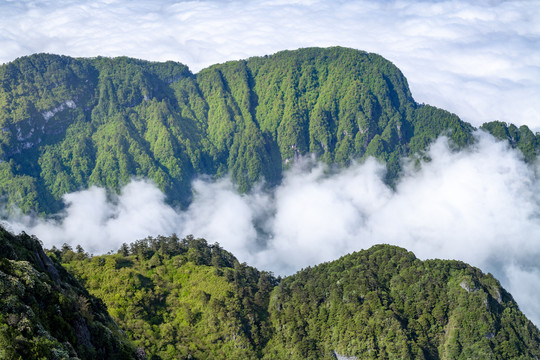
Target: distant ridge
(69,123)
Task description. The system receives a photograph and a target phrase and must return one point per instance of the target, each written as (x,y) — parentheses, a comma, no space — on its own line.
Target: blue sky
(478,59)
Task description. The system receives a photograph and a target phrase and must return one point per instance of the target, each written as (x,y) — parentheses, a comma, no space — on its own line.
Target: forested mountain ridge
(186,299)
(181,299)
(69,123)
(521,138)
(384,303)
(45,313)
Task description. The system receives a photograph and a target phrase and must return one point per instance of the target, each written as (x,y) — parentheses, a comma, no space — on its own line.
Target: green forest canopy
(69,123)
(184,298)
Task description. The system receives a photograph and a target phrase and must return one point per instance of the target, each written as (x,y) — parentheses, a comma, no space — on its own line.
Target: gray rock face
(343,357)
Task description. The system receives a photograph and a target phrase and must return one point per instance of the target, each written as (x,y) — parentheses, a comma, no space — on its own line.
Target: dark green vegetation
(45,313)
(180,298)
(186,299)
(67,124)
(71,123)
(521,138)
(383,303)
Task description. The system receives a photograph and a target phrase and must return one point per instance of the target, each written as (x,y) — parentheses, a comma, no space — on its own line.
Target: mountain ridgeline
(170,298)
(187,299)
(69,123)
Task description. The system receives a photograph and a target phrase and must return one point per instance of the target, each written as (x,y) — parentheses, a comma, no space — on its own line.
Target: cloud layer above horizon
(478,59)
(479,205)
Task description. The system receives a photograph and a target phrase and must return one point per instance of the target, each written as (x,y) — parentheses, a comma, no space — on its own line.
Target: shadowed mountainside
(45,313)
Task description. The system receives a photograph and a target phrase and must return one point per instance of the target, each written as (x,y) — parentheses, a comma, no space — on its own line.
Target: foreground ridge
(196,300)
(45,313)
(185,299)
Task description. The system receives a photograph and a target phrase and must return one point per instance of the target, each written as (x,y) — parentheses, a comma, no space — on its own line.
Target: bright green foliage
(181,299)
(383,303)
(185,299)
(71,123)
(521,138)
(67,124)
(46,314)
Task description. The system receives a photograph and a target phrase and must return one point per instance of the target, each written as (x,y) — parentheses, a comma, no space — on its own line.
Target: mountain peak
(69,123)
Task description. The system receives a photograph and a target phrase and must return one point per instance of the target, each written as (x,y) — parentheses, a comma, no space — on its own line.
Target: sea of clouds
(477,58)
(480,205)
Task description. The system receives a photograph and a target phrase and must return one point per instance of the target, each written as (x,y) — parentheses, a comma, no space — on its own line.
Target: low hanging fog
(479,205)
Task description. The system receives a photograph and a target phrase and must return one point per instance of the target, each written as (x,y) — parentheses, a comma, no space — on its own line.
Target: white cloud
(220,214)
(480,206)
(101,222)
(478,59)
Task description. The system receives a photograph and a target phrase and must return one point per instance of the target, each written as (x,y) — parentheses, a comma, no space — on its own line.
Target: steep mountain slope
(46,314)
(521,138)
(383,303)
(70,123)
(181,298)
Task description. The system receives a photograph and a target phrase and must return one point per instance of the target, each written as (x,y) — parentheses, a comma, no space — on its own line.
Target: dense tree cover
(45,313)
(383,303)
(67,124)
(521,138)
(185,299)
(70,123)
(181,299)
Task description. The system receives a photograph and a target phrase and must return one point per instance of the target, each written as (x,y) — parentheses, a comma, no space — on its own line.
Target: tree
(124,250)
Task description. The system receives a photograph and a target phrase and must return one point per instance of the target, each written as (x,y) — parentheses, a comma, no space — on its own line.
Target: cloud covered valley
(479,205)
(478,59)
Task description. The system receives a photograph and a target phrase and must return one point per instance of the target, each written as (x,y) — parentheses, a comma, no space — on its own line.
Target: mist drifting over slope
(479,205)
